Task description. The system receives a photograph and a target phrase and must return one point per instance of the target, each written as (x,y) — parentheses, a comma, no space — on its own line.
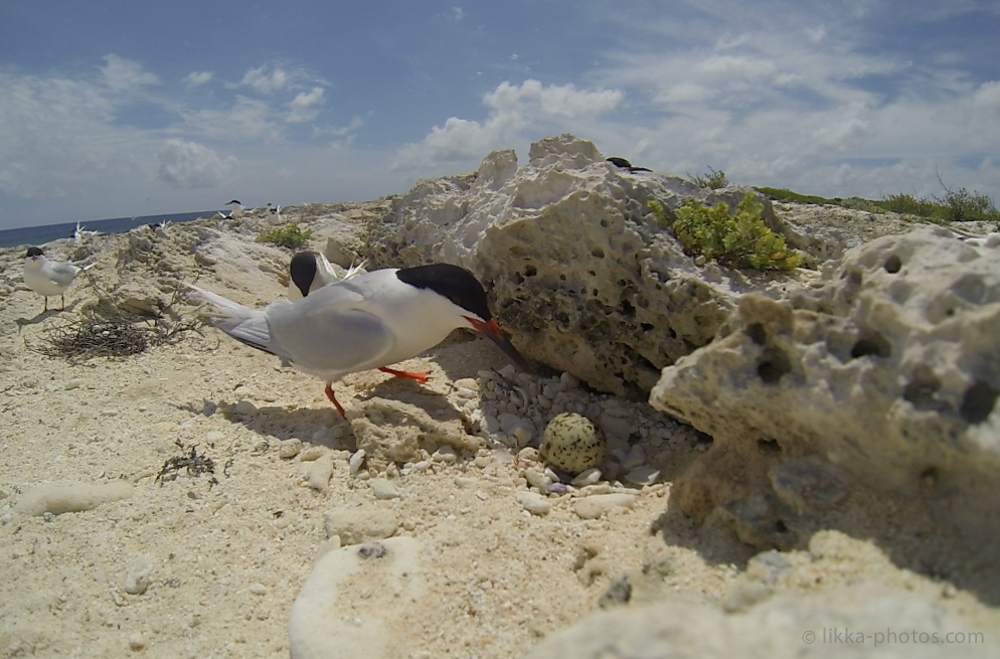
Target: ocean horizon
(39,235)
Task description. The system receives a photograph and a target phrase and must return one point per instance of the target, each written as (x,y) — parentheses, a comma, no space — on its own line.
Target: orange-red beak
(492,330)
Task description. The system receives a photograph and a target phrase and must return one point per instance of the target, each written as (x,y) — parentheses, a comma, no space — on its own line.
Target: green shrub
(739,240)
(965,206)
(907,204)
(713,179)
(787,196)
(955,206)
(291,237)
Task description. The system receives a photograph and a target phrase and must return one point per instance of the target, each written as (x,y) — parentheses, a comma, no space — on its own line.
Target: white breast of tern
(47,277)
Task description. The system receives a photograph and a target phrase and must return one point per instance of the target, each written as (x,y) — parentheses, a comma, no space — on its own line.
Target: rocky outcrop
(859,620)
(582,274)
(885,374)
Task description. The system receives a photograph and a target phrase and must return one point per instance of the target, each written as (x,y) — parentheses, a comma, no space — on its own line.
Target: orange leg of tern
(419,377)
(333,399)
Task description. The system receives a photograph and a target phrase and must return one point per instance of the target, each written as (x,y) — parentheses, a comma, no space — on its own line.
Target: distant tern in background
(81,233)
(310,271)
(622,163)
(47,277)
(235,208)
(273,214)
(368,321)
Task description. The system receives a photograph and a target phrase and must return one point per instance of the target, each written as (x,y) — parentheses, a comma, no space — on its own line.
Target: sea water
(28,236)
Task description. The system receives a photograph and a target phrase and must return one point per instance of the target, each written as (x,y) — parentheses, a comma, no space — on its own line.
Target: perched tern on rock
(235,208)
(367,321)
(47,277)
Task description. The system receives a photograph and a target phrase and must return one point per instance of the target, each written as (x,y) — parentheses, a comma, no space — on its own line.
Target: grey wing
(63,272)
(324,334)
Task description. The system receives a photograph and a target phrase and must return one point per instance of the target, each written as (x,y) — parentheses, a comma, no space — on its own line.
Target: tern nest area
(109,329)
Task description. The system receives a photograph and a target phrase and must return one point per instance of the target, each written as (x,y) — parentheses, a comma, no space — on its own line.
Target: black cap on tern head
(464,290)
(33,251)
(303,271)
(455,283)
(234,201)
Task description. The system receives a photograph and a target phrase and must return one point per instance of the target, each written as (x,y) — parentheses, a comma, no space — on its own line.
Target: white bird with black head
(367,321)
(47,277)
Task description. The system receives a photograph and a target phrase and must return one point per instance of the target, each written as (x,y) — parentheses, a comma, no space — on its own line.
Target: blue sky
(128,108)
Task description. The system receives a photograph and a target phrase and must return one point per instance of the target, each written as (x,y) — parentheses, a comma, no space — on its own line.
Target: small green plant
(714,179)
(907,204)
(955,206)
(964,206)
(291,237)
(739,240)
(787,196)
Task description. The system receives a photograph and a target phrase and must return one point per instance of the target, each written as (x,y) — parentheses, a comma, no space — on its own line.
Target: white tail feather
(242,323)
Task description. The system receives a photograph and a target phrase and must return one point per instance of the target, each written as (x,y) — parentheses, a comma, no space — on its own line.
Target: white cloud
(988,96)
(59,134)
(265,82)
(513,109)
(197,78)
(190,165)
(302,108)
(552,101)
(246,119)
(123,75)
(457,14)
(339,131)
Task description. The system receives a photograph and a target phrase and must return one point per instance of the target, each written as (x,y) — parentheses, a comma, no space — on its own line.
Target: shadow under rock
(901,527)
(715,544)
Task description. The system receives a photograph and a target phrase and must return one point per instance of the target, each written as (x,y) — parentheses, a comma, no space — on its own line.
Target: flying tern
(367,321)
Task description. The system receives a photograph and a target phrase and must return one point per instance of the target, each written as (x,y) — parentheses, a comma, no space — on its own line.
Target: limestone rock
(581,273)
(70,497)
(361,524)
(810,625)
(332,620)
(393,431)
(884,373)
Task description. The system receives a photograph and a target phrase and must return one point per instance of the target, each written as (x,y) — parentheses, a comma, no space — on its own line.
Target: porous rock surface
(582,275)
(859,620)
(883,374)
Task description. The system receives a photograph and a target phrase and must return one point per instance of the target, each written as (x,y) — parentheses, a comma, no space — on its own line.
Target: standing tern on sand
(47,277)
(366,321)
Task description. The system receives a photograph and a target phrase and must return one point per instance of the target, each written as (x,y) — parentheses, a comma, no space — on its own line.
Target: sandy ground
(231,550)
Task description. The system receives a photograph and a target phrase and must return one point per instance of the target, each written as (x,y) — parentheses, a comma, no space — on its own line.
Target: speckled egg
(572,443)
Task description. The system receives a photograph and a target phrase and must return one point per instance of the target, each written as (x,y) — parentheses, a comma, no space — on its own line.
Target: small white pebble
(258,589)
(383,489)
(587,477)
(534,503)
(644,475)
(445,454)
(289,448)
(357,458)
(136,641)
(320,472)
(312,453)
